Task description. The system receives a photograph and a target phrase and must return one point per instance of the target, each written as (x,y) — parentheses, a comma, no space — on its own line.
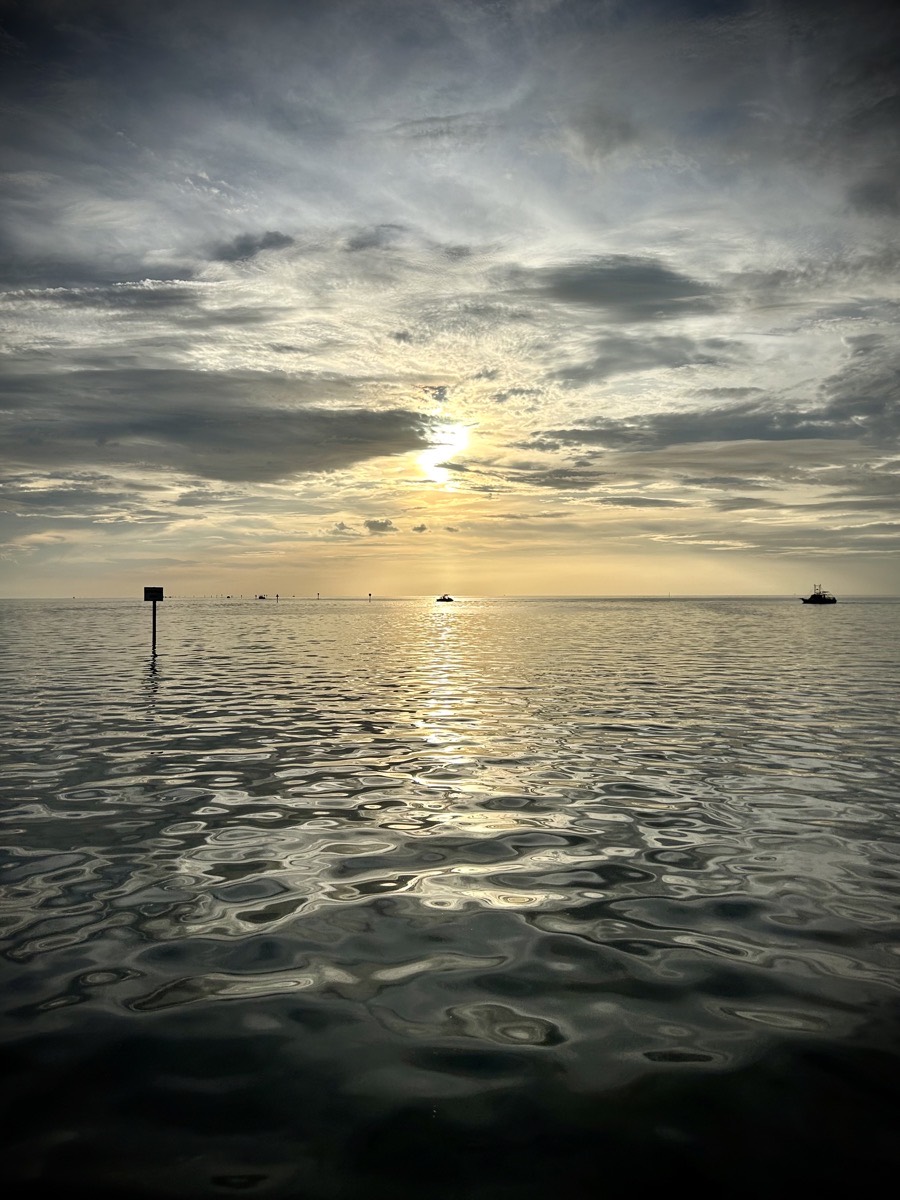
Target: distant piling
(154,595)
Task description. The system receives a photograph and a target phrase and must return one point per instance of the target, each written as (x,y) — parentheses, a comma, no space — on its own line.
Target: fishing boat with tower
(819,596)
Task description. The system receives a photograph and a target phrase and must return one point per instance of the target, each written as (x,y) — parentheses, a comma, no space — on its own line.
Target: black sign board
(153,593)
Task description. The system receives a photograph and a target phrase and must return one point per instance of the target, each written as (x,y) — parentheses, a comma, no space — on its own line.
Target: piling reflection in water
(338,895)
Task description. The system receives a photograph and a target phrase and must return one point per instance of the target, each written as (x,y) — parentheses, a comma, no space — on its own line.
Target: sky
(493,297)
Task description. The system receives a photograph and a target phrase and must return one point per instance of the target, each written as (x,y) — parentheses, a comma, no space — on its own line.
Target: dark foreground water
(498,900)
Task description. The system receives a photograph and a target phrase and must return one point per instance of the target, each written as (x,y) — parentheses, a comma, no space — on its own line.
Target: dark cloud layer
(855,412)
(617,355)
(248,245)
(624,288)
(229,427)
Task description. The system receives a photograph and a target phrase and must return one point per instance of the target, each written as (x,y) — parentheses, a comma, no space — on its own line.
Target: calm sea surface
(488,900)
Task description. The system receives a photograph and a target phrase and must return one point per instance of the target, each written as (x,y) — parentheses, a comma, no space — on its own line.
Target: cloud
(34,496)
(743,504)
(146,297)
(234,427)
(340,529)
(624,355)
(564,479)
(376,238)
(380,525)
(248,245)
(858,415)
(179,307)
(510,393)
(623,287)
(875,196)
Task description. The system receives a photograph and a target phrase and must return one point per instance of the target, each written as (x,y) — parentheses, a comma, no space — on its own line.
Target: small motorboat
(819,596)
(444,599)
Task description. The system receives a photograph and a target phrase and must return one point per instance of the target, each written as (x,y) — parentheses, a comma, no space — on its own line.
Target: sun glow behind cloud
(450,440)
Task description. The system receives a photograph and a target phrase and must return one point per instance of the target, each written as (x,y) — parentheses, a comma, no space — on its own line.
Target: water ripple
(472,850)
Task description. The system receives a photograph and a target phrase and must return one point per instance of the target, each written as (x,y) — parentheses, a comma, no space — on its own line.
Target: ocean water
(487,900)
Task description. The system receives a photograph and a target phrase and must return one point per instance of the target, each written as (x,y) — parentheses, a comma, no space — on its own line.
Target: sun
(449,440)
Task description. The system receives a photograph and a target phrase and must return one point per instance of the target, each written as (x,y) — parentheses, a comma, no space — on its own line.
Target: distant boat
(444,598)
(819,596)
(262,597)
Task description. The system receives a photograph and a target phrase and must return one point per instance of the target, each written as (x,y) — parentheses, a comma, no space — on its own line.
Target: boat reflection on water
(819,596)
